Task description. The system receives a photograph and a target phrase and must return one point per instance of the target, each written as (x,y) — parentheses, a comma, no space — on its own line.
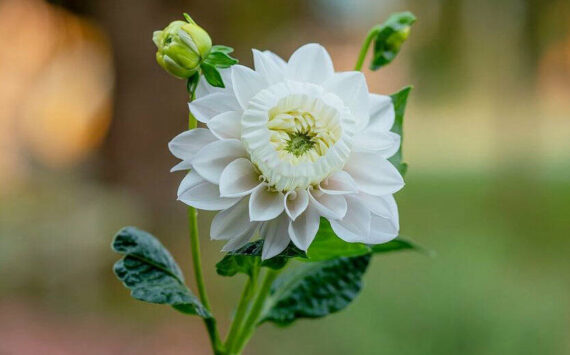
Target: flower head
(182,46)
(289,143)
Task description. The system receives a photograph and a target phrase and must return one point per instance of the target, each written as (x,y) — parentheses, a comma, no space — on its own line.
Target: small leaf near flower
(327,245)
(393,33)
(212,75)
(315,290)
(399,100)
(151,273)
(246,258)
(220,59)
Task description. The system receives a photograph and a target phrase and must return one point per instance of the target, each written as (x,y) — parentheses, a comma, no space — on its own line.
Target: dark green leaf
(221,48)
(244,259)
(315,290)
(392,34)
(150,272)
(220,60)
(212,75)
(192,83)
(400,99)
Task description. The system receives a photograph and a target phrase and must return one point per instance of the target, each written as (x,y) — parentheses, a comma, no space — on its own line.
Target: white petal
(330,206)
(212,105)
(183,165)
(310,63)
(276,59)
(339,183)
(190,180)
(197,192)
(211,160)
(232,222)
(381,112)
(275,235)
(371,141)
(265,205)
(226,125)
(374,174)
(204,88)
(302,231)
(239,178)
(247,83)
(382,230)
(352,89)
(239,241)
(296,202)
(355,226)
(187,144)
(268,67)
(383,206)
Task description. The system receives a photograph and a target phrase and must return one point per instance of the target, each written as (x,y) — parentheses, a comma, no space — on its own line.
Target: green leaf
(192,83)
(212,75)
(150,272)
(399,100)
(315,290)
(392,34)
(220,60)
(221,48)
(246,258)
(327,245)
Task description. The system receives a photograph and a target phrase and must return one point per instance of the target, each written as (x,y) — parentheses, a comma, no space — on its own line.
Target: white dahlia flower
(287,143)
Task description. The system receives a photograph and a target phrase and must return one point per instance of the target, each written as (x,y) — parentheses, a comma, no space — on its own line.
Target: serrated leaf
(220,60)
(212,75)
(315,290)
(151,273)
(393,33)
(246,258)
(399,100)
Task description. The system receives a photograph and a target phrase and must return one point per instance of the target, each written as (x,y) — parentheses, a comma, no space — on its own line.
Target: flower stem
(197,265)
(241,311)
(365,45)
(256,310)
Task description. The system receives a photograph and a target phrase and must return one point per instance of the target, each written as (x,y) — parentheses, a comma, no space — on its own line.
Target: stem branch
(365,45)
(256,310)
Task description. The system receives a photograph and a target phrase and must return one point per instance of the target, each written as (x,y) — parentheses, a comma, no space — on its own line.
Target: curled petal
(210,106)
(247,83)
(211,160)
(374,174)
(185,145)
(226,125)
(303,230)
(339,183)
(330,206)
(268,66)
(296,202)
(265,205)
(239,178)
(199,193)
(355,226)
(275,235)
(232,222)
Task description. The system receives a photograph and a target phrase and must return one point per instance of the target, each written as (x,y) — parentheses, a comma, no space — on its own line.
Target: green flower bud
(182,46)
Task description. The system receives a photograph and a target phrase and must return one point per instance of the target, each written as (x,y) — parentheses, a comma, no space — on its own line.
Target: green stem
(364,49)
(256,310)
(197,263)
(241,311)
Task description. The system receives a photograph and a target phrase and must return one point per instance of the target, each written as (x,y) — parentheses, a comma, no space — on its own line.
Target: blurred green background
(86,114)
